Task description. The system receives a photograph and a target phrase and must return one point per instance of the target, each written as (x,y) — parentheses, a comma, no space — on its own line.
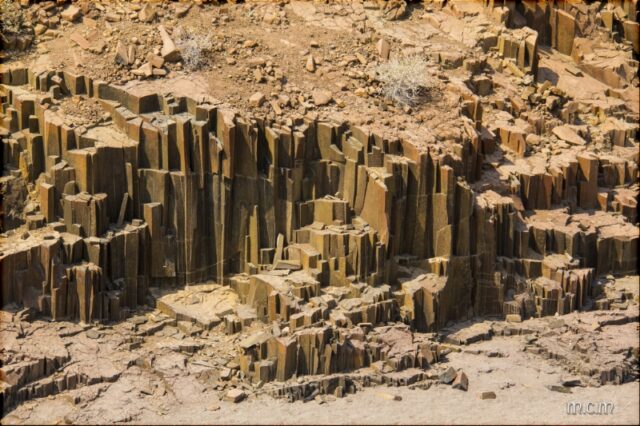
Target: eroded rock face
(177,191)
(333,246)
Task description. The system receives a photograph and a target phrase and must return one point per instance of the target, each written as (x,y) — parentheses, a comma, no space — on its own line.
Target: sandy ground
(518,378)
(518,405)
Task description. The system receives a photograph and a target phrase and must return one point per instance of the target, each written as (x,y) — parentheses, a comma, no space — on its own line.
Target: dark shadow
(547,74)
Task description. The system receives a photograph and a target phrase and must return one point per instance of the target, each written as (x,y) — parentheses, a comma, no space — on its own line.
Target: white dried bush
(196,49)
(405,80)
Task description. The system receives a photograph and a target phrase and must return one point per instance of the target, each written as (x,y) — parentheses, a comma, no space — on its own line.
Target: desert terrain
(296,212)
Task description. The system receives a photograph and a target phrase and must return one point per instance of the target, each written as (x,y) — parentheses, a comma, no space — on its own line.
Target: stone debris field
(319,211)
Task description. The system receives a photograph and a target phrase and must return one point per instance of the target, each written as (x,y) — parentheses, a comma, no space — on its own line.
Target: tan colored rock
(389,396)
(461,381)
(39,29)
(155,60)
(122,54)
(77,38)
(71,13)
(513,318)
(321,97)
(169,51)
(567,134)
(147,13)
(393,9)
(145,70)
(257,99)
(383,47)
(235,395)
(311,64)
(487,395)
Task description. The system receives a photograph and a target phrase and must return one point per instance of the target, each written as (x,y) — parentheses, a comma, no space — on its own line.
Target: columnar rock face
(573,27)
(175,191)
(337,222)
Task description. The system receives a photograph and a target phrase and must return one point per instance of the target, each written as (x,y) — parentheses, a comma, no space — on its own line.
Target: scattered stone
(147,13)
(389,396)
(513,318)
(249,44)
(235,395)
(39,29)
(122,54)
(71,13)
(571,381)
(383,48)
(487,395)
(393,9)
(226,374)
(112,17)
(257,99)
(567,134)
(311,64)
(182,9)
(461,381)
(93,334)
(145,70)
(77,38)
(321,97)
(361,92)
(447,376)
(557,388)
(155,60)
(169,51)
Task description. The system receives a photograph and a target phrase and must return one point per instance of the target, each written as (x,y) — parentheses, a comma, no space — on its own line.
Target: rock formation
(334,245)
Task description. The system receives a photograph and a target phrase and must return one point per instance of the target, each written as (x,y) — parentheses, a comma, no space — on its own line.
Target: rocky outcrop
(175,191)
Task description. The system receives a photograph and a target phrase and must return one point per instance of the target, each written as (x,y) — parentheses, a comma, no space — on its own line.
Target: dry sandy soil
(159,382)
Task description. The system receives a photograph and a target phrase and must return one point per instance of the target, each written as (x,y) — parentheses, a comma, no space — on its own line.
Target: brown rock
(513,318)
(112,17)
(383,47)
(147,13)
(311,64)
(71,13)
(487,395)
(39,29)
(169,51)
(181,10)
(389,396)
(77,38)
(257,99)
(122,54)
(447,376)
(560,389)
(321,97)
(146,70)
(567,134)
(461,381)
(393,9)
(155,60)
(235,395)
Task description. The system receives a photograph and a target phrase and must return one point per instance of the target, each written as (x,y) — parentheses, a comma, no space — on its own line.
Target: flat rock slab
(203,304)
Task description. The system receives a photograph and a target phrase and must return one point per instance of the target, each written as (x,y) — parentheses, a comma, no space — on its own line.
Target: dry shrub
(405,80)
(196,49)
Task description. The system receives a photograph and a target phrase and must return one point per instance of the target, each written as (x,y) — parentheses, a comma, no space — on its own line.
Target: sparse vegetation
(405,80)
(11,17)
(195,49)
